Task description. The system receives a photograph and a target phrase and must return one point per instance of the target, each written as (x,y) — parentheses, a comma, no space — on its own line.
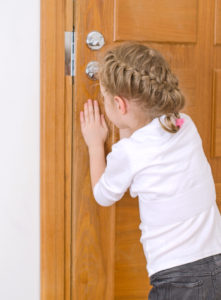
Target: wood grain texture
(156,20)
(131,278)
(187,81)
(56,134)
(108,260)
(216,161)
(216,129)
(68,187)
(93,226)
(68,119)
(217,24)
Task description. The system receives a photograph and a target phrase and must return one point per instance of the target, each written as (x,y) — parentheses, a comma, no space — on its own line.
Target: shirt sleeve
(117,176)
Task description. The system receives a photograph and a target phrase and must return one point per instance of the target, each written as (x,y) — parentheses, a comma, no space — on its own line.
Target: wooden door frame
(55,151)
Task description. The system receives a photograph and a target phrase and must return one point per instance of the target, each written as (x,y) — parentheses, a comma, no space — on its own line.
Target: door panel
(216,124)
(156,20)
(216,143)
(218,22)
(93,243)
(107,257)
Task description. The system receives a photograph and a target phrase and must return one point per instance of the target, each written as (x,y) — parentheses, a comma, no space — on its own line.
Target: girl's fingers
(90,110)
(86,112)
(82,117)
(103,121)
(82,121)
(96,111)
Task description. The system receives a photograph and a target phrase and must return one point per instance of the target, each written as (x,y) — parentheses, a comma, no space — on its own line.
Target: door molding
(55,151)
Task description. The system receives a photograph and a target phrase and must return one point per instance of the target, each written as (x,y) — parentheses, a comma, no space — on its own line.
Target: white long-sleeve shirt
(170,174)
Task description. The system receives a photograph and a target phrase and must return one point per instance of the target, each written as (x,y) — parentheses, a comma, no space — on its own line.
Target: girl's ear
(121,104)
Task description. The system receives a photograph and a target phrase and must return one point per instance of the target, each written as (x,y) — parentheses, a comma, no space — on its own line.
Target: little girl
(161,160)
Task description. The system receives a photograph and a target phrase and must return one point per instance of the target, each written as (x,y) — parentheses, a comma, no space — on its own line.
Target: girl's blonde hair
(140,73)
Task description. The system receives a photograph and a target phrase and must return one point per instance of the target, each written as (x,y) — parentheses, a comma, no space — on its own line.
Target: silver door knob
(92,69)
(95,40)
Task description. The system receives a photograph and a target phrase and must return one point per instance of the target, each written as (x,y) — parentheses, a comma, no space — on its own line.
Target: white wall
(20,150)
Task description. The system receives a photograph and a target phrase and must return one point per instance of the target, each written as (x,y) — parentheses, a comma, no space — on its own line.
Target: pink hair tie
(179,122)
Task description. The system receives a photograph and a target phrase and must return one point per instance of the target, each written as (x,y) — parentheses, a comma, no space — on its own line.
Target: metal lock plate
(70,53)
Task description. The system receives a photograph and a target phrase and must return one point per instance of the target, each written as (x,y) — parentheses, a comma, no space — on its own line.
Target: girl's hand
(93,125)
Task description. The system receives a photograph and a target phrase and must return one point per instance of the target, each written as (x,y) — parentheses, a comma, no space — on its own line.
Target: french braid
(140,73)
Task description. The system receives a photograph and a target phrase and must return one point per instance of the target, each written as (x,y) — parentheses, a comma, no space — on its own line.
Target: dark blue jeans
(199,280)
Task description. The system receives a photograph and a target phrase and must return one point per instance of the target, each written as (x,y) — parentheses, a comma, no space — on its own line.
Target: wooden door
(107,257)
(55,151)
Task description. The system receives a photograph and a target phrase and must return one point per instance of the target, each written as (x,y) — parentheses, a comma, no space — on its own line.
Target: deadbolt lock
(95,40)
